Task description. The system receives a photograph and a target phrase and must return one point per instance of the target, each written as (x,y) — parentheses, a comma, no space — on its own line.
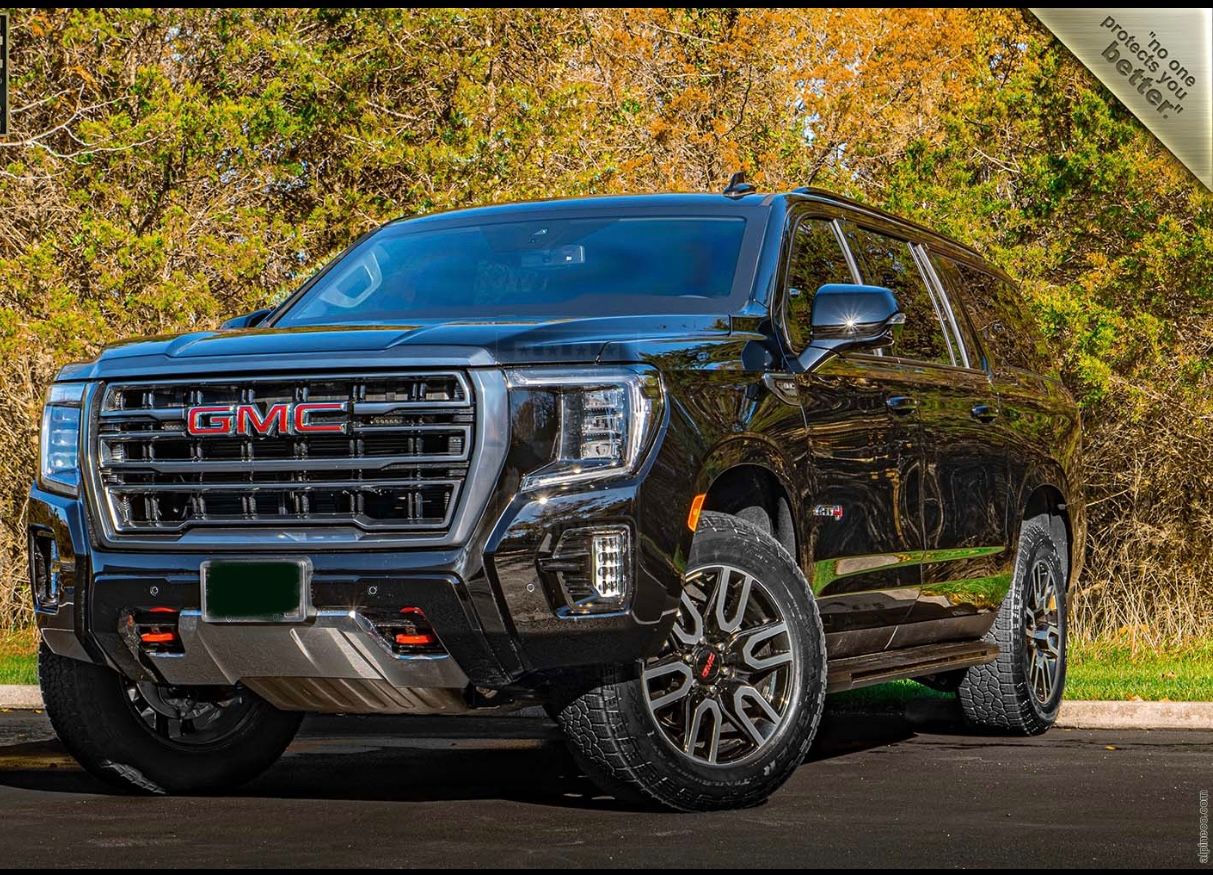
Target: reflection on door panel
(866,460)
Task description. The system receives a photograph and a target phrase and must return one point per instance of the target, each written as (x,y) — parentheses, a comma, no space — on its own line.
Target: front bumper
(493,608)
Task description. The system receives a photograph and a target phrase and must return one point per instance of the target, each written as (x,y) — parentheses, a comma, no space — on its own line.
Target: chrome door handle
(984,412)
(901,404)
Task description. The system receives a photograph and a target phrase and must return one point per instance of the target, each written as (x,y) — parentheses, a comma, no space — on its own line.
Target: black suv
(671,466)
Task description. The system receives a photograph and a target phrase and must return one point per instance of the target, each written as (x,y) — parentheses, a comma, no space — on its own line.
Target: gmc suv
(670,466)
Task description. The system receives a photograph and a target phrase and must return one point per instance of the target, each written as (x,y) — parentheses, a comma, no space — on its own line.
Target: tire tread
(995,696)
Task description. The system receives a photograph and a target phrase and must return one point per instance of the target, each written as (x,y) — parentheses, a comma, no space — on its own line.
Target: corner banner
(1158,63)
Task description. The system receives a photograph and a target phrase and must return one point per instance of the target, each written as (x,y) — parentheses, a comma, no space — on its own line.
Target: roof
(717,202)
(675,201)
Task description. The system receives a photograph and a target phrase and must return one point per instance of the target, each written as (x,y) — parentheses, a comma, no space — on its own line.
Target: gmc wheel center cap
(707,664)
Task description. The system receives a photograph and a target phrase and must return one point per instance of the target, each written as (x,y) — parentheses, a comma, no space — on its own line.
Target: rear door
(866,460)
(967,564)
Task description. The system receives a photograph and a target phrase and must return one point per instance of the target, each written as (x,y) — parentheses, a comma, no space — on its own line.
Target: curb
(20,696)
(1136,715)
(1074,715)
(925,713)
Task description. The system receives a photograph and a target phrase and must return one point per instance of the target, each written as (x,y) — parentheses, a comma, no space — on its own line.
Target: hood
(444,344)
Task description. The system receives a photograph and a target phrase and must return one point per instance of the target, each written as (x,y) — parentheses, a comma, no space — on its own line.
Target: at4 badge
(832,511)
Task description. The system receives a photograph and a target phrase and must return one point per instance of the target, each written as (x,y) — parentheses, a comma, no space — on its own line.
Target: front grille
(399,462)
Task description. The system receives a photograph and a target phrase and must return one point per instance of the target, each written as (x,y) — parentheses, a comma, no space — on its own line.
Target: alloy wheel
(1042,628)
(722,687)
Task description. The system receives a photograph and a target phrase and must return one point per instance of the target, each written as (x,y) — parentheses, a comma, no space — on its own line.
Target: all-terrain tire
(1002,696)
(90,710)
(615,737)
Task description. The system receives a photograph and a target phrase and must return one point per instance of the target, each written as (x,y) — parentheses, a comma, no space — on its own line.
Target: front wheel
(151,738)
(1021,691)
(724,714)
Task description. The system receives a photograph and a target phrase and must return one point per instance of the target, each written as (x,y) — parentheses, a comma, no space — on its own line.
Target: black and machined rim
(1042,631)
(723,685)
(188,718)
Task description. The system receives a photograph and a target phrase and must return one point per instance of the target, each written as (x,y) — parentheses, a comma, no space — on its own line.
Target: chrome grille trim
(471,420)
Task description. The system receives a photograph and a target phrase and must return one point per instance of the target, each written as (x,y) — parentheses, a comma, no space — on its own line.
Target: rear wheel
(727,710)
(1021,691)
(154,738)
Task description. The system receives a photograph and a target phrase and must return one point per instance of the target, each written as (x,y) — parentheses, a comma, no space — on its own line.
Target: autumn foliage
(168,168)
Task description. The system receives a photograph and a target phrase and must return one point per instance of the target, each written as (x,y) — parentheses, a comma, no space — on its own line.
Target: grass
(18,662)
(1098,670)
(1114,670)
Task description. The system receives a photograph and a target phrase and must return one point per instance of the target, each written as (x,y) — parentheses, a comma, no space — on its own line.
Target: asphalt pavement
(424,792)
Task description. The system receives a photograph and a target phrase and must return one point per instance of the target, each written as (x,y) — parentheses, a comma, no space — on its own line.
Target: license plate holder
(256,590)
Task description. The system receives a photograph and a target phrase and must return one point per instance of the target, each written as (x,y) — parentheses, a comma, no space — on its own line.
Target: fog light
(593,568)
(606,558)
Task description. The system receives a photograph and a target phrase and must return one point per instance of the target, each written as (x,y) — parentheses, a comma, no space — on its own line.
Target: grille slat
(369,463)
(289,486)
(399,465)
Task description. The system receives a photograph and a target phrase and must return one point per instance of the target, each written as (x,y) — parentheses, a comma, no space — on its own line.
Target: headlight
(607,420)
(60,457)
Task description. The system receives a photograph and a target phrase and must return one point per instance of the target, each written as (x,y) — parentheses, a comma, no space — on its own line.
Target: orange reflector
(696,509)
(158,637)
(159,609)
(421,640)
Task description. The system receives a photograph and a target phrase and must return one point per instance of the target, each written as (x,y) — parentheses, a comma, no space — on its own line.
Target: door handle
(984,412)
(901,404)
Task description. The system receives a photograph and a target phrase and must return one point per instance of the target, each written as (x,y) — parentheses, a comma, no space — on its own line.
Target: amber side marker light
(696,509)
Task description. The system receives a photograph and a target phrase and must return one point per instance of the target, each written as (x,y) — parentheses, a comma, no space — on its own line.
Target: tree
(171,167)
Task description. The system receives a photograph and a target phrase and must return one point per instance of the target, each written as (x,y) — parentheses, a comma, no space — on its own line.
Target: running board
(908,662)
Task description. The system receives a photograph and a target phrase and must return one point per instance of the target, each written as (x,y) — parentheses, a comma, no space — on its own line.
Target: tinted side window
(887,261)
(950,278)
(1000,316)
(817,258)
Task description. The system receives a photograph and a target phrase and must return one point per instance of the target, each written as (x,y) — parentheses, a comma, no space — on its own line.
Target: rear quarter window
(999,314)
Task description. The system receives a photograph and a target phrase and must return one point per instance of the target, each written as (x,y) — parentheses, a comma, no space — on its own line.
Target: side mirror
(248,320)
(847,316)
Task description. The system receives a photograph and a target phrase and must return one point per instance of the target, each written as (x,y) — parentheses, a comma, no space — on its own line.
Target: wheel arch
(752,480)
(1048,498)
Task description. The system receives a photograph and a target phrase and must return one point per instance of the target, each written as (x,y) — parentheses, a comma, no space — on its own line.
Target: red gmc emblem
(247,419)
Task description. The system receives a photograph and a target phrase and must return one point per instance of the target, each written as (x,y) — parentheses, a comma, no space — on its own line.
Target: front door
(862,432)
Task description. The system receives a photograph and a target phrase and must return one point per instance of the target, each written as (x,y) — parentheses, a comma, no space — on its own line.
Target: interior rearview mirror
(847,316)
(248,320)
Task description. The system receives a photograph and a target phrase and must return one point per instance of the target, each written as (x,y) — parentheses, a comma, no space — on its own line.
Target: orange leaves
(715,90)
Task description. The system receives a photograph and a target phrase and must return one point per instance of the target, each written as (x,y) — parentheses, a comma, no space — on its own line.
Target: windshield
(549,267)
